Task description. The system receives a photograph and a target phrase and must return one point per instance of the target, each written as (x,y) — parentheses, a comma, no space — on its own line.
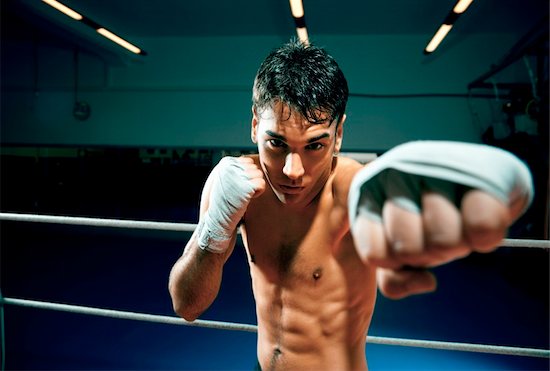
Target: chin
(289,199)
(284,198)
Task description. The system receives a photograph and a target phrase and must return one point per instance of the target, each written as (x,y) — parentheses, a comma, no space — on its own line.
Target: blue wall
(189,90)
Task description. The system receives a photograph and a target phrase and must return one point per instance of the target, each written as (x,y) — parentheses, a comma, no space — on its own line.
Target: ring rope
(184,227)
(99,222)
(171,320)
(465,347)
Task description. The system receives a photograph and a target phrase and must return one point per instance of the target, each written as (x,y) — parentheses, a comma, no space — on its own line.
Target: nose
(293,166)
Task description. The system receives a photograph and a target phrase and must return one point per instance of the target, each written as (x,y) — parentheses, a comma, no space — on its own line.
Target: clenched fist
(427,203)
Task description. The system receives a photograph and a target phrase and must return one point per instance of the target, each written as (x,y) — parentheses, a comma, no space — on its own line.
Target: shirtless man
(322,232)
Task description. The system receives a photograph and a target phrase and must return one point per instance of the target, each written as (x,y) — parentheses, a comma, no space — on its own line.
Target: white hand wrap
(230,192)
(404,172)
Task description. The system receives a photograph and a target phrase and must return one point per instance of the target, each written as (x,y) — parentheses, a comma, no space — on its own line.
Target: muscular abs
(314,297)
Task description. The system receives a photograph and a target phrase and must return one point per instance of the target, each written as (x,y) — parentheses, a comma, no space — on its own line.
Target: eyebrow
(310,140)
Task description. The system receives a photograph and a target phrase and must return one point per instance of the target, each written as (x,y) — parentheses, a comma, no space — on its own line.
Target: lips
(291,189)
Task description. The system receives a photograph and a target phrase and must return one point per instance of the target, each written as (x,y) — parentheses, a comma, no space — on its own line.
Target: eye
(315,146)
(277,143)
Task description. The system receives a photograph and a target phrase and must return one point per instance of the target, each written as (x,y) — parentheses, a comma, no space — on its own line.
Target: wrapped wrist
(212,238)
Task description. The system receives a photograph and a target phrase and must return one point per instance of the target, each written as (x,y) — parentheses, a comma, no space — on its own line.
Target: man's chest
(290,245)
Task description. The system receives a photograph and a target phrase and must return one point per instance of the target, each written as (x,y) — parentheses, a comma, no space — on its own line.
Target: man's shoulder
(345,170)
(346,167)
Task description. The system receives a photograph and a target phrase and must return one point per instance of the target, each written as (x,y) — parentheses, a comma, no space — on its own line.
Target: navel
(274,358)
(317,273)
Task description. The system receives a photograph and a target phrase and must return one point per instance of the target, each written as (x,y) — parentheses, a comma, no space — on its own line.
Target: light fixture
(302,35)
(100,29)
(459,8)
(111,36)
(297,9)
(64,9)
(438,37)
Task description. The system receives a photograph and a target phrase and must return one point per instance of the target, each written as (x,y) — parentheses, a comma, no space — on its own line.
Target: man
(322,232)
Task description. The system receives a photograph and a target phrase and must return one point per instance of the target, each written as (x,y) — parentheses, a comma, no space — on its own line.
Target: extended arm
(426,203)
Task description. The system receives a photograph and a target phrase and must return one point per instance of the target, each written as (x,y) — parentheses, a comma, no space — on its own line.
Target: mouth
(291,189)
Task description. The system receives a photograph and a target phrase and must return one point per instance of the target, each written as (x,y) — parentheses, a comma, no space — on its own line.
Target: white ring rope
(170,320)
(99,222)
(183,227)
(465,347)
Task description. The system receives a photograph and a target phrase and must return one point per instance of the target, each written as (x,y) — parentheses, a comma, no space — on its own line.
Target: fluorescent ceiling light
(297,8)
(302,35)
(64,9)
(438,37)
(461,6)
(111,36)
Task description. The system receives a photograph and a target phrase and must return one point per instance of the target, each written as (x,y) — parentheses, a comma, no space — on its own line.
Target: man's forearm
(195,280)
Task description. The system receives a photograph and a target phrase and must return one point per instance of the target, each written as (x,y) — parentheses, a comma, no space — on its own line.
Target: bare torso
(314,296)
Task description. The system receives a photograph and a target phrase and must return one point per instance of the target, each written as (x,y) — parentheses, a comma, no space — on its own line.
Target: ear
(339,134)
(254,126)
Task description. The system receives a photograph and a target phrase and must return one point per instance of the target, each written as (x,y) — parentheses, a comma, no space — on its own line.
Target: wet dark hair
(304,77)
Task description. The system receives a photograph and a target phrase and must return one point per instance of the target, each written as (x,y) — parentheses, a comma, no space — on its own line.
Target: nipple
(252,258)
(317,273)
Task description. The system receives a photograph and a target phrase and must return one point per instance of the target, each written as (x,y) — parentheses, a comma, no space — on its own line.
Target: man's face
(295,155)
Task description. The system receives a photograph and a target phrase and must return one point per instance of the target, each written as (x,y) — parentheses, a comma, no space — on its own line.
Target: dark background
(500,298)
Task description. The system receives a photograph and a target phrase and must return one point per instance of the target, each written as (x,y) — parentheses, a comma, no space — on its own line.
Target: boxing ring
(173,320)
